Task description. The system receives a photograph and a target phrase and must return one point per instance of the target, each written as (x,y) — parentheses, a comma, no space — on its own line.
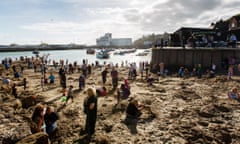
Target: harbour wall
(173,58)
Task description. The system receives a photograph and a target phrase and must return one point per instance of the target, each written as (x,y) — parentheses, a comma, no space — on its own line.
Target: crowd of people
(45,118)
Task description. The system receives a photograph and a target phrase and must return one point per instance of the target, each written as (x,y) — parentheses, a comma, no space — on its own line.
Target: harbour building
(107,40)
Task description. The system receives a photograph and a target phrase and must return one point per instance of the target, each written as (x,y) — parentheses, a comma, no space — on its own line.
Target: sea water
(79,55)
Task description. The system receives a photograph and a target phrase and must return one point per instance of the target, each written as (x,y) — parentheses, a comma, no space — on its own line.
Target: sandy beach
(177,110)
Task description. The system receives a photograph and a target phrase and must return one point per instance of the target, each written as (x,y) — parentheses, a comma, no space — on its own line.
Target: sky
(82,21)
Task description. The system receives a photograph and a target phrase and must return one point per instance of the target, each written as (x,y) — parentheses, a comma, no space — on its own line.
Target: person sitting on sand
(123,92)
(16,75)
(150,80)
(234,94)
(37,119)
(50,119)
(126,83)
(51,78)
(6,80)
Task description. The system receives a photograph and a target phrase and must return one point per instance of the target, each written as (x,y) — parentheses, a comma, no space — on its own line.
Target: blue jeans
(51,128)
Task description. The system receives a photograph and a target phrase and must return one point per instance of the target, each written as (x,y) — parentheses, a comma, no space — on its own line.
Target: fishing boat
(102,55)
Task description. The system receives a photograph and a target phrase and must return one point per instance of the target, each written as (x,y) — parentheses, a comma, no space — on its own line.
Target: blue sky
(82,21)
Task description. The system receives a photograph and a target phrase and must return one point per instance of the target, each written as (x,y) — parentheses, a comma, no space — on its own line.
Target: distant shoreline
(32,49)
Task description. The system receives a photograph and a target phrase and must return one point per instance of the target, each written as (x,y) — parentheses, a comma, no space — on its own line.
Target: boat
(36,52)
(122,52)
(102,55)
(90,51)
(142,54)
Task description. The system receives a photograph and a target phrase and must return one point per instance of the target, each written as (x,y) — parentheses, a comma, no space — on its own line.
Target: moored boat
(142,54)
(90,51)
(36,52)
(102,55)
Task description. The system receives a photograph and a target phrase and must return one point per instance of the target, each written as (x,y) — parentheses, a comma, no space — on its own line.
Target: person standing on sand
(64,81)
(230,72)
(141,68)
(14,90)
(199,71)
(104,75)
(42,83)
(24,83)
(81,82)
(60,72)
(50,119)
(69,94)
(114,74)
(161,71)
(90,109)
(37,119)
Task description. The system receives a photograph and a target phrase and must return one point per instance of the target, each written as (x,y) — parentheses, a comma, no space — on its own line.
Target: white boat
(122,52)
(142,54)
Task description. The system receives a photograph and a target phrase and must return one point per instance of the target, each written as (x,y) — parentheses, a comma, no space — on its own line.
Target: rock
(37,138)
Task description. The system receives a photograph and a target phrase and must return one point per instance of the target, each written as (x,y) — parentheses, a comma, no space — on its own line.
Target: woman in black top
(50,119)
(90,109)
(134,109)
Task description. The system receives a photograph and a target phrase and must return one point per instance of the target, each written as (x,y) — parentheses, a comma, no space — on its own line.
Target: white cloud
(83,21)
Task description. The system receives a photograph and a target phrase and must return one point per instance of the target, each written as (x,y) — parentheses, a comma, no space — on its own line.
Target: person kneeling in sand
(102,91)
(133,111)
(234,94)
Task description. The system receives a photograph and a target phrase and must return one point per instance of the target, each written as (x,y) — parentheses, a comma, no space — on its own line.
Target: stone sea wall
(175,57)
